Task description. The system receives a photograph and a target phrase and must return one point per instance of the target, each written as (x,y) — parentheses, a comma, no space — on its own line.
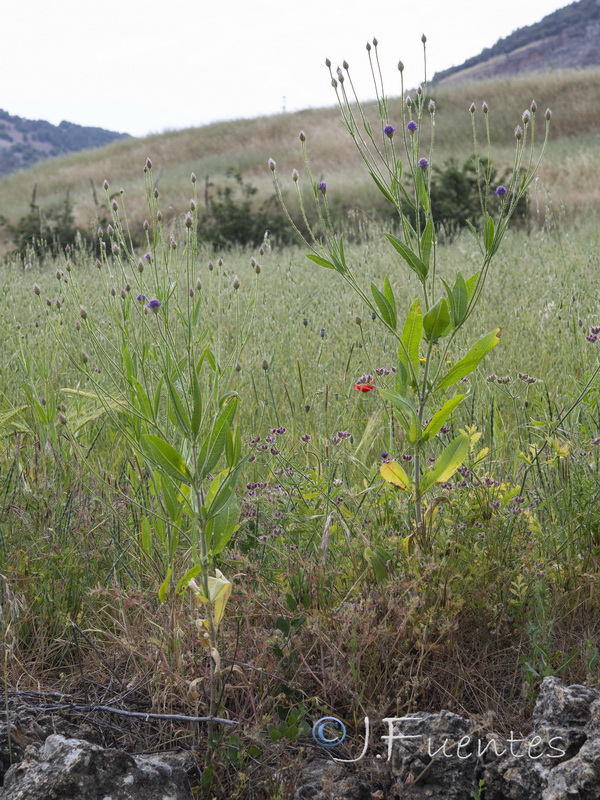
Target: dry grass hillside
(568,171)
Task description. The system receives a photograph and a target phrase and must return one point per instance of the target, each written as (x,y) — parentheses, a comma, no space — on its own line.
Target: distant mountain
(566,39)
(23,142)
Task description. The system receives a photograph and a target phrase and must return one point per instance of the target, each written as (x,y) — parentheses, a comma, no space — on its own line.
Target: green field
(335,609)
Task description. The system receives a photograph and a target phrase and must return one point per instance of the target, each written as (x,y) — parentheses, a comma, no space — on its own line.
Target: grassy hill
(245,145)
(566,39)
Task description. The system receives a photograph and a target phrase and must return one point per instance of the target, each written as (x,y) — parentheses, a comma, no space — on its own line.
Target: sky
(148,66)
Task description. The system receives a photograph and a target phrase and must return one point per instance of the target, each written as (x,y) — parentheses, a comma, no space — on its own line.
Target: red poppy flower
(364,387)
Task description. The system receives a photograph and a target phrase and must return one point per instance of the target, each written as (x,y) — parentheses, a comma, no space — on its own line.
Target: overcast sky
(146,66)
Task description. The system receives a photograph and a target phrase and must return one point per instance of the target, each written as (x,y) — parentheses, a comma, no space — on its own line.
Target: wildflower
(153,305)
(36,289)
(364,387)
(305,437)
(322,187)
(412,126)
(389,131)
(140,298)
(423,163)
(500,190)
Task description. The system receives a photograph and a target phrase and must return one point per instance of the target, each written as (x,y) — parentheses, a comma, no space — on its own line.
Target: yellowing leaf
(393,473)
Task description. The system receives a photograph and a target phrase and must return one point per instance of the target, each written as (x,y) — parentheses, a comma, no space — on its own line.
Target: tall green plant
(400,164)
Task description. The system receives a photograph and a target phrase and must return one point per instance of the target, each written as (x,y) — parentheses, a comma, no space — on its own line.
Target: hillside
(567,174)
(566,39)
(24,142)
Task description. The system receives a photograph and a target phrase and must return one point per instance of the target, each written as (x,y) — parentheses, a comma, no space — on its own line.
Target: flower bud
(472,108)
(484,107)
(327,63)
(61,418)
(423,38)
(146,225)
(193,177)
(198,284)
(188,220)
(105,185)
(368,47)
(302,136)
(518,133)
(526,117)
(140,266)
(148,164)
(236,283)
(295,175)
(220,262)
(533,107)
(375,42)
(400,66)
(159,215)
(272,164)
(83,312)
(238,367)
(265,364)
(547,115)
(36,289)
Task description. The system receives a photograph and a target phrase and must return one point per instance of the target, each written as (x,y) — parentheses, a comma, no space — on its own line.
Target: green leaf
(488,233)
(383,189)
(180,414)
(447,463)
(196,404)
(385,309)
(165,456)
(436,323)
(214,443)
(471,283)
(457,299)
(222,526)
(440,417)
(182,583)
(221,491)
(412,334)
(389,296)
(413,260)
(146,536)
(322,262)
(426,242)
(393,473)
(421,190)
(470,360)
(401,382)
(406,414)
(164,587)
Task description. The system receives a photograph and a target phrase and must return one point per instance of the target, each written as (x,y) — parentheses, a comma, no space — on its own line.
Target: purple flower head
(385,456)
(153,305)
(500,190)
(423,163)
(412,126)
(389,131)
(322,187)
(148,257)
(140,298)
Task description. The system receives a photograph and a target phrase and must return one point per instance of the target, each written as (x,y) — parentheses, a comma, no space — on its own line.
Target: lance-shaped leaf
(382,188)
(165,456)
(470,360)
(214,444)
(447,463)
(426,242)
(322,262)
(440,417)
(406,414)
(221,528)
(458,299)
(488,233)
(393,473)
(436,322)
(412,333)
(387,311)
(413,260)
